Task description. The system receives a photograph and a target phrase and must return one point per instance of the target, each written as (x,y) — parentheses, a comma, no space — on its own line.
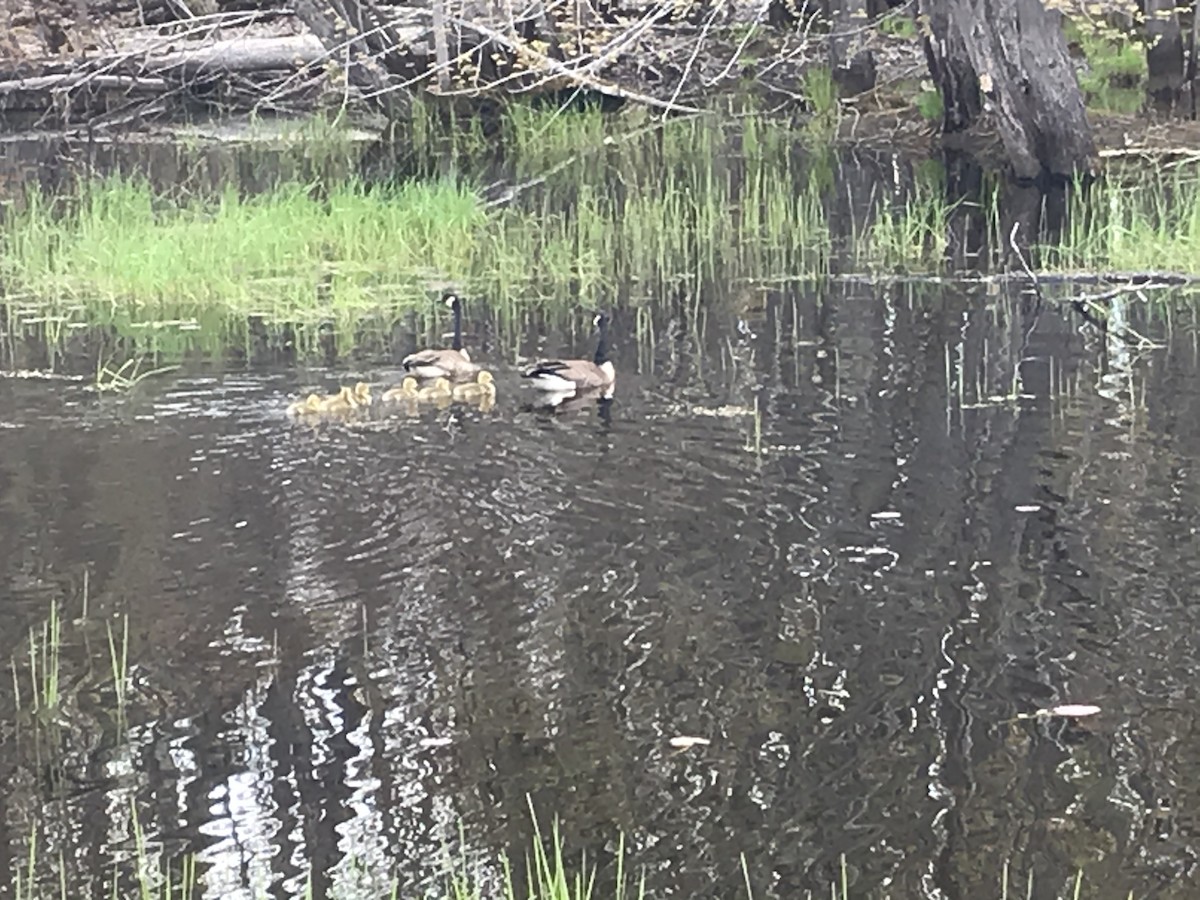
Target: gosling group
(444,376)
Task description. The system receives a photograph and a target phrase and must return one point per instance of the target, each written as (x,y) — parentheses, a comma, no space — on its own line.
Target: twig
(687,69)
(1029,273)
(573,76)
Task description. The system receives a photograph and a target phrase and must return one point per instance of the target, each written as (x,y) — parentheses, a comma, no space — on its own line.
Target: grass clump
(1114,77)
(287,252)
(546,874)
(1147,223)
(910,233)
(821,94)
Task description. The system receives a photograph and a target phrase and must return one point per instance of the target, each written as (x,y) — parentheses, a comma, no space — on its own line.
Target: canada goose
(484,385)
(306,407)
(563,403)
(566,376)
(452,363)
(439,390)
(406,391)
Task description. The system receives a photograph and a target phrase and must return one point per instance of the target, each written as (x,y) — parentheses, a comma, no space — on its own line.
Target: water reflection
(836,542)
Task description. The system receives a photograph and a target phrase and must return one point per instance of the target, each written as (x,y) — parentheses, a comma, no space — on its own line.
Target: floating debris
(686,743)
(1066,711)
(1030,508)
(435,742)
(1072,711)
(728,411)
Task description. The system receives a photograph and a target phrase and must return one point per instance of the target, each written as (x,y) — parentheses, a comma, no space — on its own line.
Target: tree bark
(1193,47)
(1164,56)
(950,68)
(1017,52)
(852,64)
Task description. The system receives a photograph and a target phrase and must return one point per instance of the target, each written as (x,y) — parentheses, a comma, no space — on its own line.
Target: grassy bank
(288,253)
(583,212)
(580,207)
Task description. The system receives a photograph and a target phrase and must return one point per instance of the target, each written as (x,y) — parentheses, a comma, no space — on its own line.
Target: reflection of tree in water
(852,616)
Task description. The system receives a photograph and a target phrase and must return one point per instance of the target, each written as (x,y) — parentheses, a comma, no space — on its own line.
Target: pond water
(846,530)
(348,642)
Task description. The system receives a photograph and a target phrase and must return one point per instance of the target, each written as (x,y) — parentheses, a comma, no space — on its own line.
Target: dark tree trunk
(1164,56)
(852,63)
(950,68)
(1017,52)
(1193,47)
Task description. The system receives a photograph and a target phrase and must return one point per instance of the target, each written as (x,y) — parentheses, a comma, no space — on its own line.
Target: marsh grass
(126,376)
(286,253)
(45,661)
(582,205)
(546,874)
(689,198)
(1148,222)
(910,234)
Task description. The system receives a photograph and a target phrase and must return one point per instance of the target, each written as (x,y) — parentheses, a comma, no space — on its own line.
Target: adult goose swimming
(566,376)
(453,363)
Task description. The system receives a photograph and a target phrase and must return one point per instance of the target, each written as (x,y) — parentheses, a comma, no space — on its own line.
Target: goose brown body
(571,375)
(454,363)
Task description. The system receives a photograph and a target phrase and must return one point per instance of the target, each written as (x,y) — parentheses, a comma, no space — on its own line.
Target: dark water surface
(346,642)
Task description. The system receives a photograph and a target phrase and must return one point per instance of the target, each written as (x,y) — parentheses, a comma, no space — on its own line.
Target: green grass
(594,207)
(1115,77)
(587,205)
(286,252)
(1148,223)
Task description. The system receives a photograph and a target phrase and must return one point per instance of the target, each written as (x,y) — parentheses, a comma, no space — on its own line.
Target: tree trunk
(1193,47)
(853,64)
(1016,50)
(950,68)
(1164,56)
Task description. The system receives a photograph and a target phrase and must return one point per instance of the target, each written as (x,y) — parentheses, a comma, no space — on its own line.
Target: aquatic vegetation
(127,375)
(911,234)
(118,657)
(45,658)
(545,875)
(588,205)
(646,200)
(1148,221)
(289,253)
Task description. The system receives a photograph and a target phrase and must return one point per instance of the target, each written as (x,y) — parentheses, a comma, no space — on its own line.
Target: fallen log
(241,54)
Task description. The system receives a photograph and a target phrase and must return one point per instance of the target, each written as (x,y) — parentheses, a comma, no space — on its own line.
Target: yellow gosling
(484,385)
(408,390)
(343,401)
(440,389)
(306,407)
